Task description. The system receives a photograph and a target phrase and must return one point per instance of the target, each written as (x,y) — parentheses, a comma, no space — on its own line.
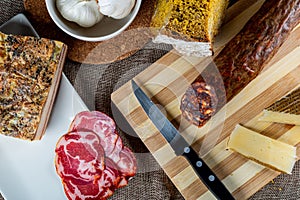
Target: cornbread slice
(30,71)
(189,25)
(286,110)
(264,150)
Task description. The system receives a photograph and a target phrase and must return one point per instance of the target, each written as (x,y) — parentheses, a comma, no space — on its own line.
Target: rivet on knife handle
(207,175)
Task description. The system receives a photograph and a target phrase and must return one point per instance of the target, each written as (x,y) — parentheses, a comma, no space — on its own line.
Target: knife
(180,146)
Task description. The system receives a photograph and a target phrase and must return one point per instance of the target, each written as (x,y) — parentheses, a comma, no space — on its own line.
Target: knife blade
(180,146)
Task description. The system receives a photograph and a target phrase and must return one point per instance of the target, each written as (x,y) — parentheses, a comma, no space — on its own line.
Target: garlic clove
(116,9)
(83,12)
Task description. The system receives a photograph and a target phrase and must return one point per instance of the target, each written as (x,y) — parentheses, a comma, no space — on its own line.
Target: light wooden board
(165,82)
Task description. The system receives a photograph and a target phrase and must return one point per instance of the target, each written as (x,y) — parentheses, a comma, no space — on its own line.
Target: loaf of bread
(30,71)
(189,25)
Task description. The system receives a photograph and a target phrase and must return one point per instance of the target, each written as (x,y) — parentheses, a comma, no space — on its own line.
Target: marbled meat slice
(111,142)
(85,172)
(99,123)
(127,166)
(79,155)
(100,189)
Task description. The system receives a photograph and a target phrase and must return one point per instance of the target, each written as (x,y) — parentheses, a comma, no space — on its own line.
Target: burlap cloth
(95,83)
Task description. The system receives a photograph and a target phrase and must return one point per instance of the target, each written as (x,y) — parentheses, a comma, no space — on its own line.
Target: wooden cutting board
(166,81)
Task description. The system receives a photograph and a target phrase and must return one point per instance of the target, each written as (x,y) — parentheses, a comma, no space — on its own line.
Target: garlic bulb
(84,12)
(116,9)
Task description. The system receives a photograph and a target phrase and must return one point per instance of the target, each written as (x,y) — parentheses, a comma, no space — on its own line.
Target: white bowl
(106,29)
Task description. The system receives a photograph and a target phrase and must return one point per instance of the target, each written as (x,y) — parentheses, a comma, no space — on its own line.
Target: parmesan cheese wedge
(286,110)
(263,150)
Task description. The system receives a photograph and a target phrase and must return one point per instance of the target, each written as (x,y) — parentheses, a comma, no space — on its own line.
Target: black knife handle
(207,176)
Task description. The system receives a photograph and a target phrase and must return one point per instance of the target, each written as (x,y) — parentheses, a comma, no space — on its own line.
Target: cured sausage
(241,60)
(91,159)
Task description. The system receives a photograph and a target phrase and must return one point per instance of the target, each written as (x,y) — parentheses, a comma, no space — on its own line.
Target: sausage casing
(241,60)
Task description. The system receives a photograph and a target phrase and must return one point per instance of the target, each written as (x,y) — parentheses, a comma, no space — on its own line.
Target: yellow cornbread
(190,25)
